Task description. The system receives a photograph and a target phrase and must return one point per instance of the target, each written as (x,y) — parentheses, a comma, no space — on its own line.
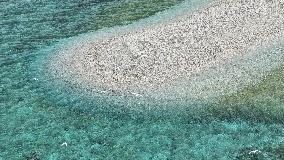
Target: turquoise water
(37,120)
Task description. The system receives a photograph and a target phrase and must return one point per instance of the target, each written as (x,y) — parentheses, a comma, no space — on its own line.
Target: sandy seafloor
(42,118)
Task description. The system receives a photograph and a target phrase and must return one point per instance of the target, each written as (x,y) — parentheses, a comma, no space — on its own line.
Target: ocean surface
(38,121)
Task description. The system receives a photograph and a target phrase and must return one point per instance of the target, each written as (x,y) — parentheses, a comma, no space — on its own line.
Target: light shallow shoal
(212,51)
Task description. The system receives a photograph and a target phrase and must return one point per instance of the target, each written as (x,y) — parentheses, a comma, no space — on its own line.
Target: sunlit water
(41,122)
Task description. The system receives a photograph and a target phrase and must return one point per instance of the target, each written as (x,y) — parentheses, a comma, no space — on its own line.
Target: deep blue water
(37,121)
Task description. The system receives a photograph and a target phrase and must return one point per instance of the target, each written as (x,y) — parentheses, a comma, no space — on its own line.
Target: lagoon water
(40,119)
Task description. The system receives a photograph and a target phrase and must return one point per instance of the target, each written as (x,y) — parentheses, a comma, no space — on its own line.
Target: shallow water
(36,120)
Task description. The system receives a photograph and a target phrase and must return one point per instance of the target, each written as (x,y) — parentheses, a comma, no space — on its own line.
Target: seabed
(45,116)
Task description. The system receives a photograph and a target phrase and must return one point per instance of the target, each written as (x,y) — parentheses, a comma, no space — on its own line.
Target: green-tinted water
(36,121)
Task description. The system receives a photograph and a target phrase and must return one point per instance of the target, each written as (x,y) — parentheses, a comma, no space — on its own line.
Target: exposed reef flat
(172,59)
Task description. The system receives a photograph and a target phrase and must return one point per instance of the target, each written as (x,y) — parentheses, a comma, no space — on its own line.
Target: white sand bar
(150,61)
